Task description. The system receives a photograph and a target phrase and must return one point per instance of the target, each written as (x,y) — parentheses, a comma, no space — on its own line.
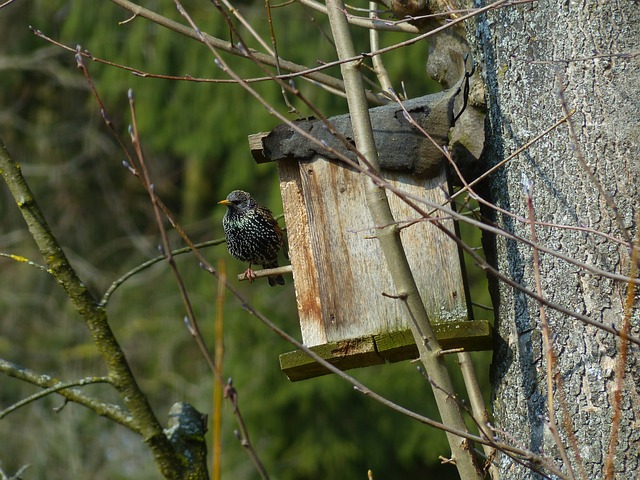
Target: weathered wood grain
(301,254)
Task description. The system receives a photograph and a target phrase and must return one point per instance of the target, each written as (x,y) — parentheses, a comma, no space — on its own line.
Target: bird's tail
(276,279)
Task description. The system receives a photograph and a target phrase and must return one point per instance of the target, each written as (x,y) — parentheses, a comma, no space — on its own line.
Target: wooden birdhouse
(343,288)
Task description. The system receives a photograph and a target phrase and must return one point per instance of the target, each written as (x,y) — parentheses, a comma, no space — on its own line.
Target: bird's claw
(250,275)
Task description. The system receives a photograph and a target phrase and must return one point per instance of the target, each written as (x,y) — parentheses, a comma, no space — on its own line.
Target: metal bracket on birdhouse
(347,310)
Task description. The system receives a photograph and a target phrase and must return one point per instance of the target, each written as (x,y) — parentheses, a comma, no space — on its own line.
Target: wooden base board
(385,348)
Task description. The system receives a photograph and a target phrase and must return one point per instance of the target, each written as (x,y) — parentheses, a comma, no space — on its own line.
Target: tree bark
(531,57)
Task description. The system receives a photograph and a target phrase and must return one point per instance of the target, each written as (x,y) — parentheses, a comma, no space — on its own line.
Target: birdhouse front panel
(343,287)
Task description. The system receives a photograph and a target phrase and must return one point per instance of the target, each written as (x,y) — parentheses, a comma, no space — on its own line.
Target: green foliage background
(194,136)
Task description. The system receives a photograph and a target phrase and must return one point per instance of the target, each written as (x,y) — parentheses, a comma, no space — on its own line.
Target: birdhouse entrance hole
(348,310)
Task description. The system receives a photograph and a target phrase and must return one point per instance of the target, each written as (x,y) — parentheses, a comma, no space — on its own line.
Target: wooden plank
(301,254)
(384,348)
(346,354)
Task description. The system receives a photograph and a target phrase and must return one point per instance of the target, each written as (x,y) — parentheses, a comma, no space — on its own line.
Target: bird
(252,234)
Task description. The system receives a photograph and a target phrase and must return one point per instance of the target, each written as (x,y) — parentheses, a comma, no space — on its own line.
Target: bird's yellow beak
(224,202)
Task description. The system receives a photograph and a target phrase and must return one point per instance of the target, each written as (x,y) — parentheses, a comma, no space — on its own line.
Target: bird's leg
(249,274)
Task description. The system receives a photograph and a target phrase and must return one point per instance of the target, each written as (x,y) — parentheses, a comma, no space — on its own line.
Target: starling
(252,233)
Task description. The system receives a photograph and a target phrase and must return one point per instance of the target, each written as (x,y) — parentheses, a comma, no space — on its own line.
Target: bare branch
(149,263)
(231,394)
(52,385)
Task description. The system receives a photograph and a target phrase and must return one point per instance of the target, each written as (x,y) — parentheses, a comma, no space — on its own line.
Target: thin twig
(621,364)
(110,411)
(313,74)
(177,78)
(243,434)
(140,171)
(589,58)
(370,23)
(550,357)
(358,386)
(487,432)
(148,185)
(513,155)
(522,219)
(18,474)
(26,261)
(378,65)
(411,199)
(7,3)
(478,407)
(274,43)
(149,263)
(53,389)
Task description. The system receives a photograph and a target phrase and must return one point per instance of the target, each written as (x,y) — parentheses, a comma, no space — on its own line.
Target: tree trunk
(531,56)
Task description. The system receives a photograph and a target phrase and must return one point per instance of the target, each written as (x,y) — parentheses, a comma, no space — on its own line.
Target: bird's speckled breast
(251,237)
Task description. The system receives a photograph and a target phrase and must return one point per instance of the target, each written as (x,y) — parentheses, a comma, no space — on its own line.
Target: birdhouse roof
(401,146)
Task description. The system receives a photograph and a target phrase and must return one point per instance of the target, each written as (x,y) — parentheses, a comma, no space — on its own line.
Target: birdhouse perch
(346,304)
